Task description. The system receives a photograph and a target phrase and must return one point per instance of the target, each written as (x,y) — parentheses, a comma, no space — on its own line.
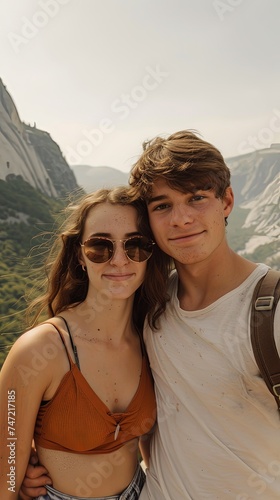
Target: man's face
(189,227)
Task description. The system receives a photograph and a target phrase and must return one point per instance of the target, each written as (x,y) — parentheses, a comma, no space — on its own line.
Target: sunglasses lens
(139,249)
(99,250)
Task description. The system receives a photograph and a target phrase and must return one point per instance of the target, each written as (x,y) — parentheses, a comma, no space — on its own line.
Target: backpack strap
(265,298)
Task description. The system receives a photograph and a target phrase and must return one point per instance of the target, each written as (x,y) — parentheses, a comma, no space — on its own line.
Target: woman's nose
(119,256)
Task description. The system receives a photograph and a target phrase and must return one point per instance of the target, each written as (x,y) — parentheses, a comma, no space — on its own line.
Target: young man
(218,434)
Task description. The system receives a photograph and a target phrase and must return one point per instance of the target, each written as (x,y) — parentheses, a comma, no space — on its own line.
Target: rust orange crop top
(77,421)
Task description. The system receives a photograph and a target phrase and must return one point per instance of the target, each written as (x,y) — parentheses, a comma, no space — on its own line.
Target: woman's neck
(105,320)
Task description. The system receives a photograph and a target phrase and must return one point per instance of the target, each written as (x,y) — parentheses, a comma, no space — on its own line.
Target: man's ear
(228,201)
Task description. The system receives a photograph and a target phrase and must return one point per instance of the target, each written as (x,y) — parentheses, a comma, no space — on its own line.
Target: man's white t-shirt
(218,434)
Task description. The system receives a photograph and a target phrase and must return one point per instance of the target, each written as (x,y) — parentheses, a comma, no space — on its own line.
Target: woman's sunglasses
(100,249)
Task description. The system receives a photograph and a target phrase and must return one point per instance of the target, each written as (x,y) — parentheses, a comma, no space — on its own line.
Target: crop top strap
(74,347)
(63,341)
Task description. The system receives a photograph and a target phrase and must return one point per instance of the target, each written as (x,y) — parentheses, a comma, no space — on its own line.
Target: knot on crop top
(76,420)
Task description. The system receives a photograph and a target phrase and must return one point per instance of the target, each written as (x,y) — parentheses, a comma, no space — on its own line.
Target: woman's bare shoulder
(41,342)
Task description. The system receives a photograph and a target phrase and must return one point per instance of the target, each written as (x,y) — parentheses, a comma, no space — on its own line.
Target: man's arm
(144,446)
(36,477)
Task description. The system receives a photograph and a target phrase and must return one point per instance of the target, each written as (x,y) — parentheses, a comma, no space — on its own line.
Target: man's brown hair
(185,161)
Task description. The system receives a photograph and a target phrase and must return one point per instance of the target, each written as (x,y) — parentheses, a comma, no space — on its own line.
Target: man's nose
(181,215)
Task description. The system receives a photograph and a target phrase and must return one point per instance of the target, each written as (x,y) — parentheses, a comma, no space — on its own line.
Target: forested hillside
(26,219)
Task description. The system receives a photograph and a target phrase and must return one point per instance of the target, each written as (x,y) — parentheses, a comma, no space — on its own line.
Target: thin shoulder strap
(265,298)
(74,347)
(62,339)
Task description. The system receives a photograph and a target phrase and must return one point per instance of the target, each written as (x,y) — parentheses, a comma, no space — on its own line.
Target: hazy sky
(103,76)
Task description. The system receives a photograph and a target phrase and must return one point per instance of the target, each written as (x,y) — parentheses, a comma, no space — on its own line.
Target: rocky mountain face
(254,171)
(31,153)
(256,184)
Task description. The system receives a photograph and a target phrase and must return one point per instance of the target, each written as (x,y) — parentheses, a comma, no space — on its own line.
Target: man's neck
(203,283)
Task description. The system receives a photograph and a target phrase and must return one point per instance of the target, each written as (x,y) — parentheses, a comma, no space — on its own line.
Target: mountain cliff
(31,153)
(34,182)
(255,181)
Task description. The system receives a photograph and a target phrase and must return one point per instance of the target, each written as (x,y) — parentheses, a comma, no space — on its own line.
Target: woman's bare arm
(24,378)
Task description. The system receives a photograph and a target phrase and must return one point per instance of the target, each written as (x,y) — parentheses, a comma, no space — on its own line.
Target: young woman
(79,382)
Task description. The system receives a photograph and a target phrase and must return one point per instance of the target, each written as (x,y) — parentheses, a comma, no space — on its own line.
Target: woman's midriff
(91,475)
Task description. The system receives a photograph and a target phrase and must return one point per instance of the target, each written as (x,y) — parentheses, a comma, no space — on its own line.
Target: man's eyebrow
(157,198)
(191,191)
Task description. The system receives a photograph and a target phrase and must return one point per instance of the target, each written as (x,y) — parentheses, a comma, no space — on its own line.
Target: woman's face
(119,277)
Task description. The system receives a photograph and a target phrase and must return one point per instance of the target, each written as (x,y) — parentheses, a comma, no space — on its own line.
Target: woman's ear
(83,264)
(81,259)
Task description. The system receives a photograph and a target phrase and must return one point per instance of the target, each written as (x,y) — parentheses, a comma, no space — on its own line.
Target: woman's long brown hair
(65,284)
